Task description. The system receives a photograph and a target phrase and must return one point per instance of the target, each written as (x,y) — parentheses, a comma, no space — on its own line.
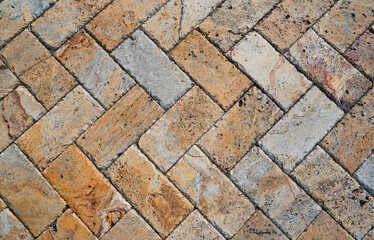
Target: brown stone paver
(2,205)
(7,80)
(11,227)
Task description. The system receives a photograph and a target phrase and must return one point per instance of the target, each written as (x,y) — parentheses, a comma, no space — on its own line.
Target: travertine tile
(206,64)
(133,227)
(94,68)
(351,141)
(68,226)
(11,227)
(168,139)
(365,174)
(329,69)
(274,192)
(28,194)
(60,127)
(339,193)
(291,19)
(259,227)
(176,19)
(232,136)
(369,235)
(291,139)
(152,69)
(7,80)
(229,23)
(18,111)
(325,228)
(195,227)
(120,19)
(49,81)
(149,190)
(86,190)
(345,22)
(2,205)
(120,127)
(270,69)
(213,193)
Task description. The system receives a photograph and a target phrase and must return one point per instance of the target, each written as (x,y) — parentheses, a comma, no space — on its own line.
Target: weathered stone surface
(170,137)
(338,192)
(212,192)
(49,81)
(149,190)
(232,136)
(120,19)
(176,19)
(60,127)
(18,111)
(274,192)
(259,227)
(152,69)
(11,227)
(229,23)
(120,127)
(329,69)
(270,69)
(365,174)
(291,19)
(351,141)
(206,64)
(362,53)
(7,80)
(369,235)
(94,68)
(86,190)
(68,226)
(345,22)
(325,228)
(23,52)
(195,227)
(28,194)
(2,205)
(133,227)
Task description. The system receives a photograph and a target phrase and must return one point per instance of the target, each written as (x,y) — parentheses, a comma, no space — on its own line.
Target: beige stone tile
(369,235)
(2,205)
(11,227)
(7,80)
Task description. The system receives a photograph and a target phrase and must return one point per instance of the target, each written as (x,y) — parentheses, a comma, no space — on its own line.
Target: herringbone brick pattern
(187,119)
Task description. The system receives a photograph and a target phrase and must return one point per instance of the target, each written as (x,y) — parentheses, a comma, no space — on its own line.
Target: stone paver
(7,80)
(42,205)
(177,130)
(214,194)
(206,64)
(149,190)
(369,235)
(365,174)
(51,135)
(2,205)
(274,192)
(296,134)
(86,190)
(270,69)
(232,136)
(11,227)
(152,69)
(339,193)
(329,69)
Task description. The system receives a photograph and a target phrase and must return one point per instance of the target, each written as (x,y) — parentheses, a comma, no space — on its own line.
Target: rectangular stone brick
(60,127)
(211,191)
(176,19)
(28,194)
(296,134)
(290,19)
(152,69)
(179,128)
(120,19)
(120,126)
(337,191)
(233,135)
(365,174)
(86,190)
(7,80)
(270,69)
(11,227)
(49,81)
(329,69)
(149,190)
(345,22)
(206,64)
(274,192)
(94,68)
(351,141)
(195,227)
(233,19)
